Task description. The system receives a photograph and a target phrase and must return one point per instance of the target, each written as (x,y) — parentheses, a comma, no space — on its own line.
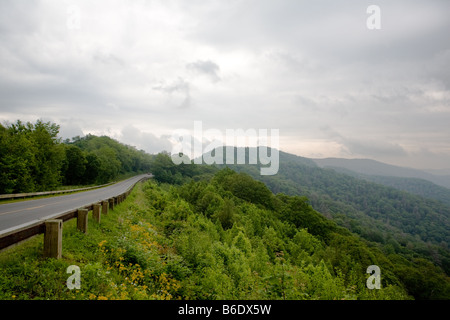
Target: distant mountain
(439,172)
(376,168)
(417,186)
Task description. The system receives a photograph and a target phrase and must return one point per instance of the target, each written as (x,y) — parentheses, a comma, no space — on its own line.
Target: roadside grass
(120,258)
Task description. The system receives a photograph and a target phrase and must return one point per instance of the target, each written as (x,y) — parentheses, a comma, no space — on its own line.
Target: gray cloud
(69,128)
(293,65)
(373,149)
(178,92)
(108,59)
(207,68)
(377,148)
(145,140)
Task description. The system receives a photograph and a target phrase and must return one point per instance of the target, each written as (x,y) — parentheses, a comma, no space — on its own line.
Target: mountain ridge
(377,168)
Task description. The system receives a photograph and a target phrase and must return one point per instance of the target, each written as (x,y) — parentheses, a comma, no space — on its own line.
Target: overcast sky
(137,70)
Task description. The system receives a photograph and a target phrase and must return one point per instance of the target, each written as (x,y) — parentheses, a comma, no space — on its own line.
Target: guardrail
(52,228)
(45,193)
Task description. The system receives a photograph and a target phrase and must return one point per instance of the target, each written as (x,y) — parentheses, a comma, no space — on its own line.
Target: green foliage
(166,171)
(74,166)
(107,159)
(92,168)
(243,186)
(32,158)
(246,250)
(424,280)
(48,155)
(163,243)
(226,214)
(199,233)
(297,211)
(396,222)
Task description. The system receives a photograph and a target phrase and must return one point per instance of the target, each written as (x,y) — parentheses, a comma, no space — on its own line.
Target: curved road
(18,214)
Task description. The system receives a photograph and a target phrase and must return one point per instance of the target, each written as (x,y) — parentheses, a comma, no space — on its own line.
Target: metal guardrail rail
(45,193)
(20,233)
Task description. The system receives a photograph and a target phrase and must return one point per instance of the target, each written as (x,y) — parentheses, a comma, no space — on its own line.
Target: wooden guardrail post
(53,229)
(105,207)
(53,238)
(96,212)
(82,220)
(111,203)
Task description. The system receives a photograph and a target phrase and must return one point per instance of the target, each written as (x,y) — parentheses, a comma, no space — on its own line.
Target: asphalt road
(14,215)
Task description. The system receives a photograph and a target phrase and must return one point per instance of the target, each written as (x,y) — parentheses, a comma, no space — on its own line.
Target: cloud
(294,65)
(207,68)
(178,92)
(69,128)
(373,149)
(108,59)
(367,147)
(145,140)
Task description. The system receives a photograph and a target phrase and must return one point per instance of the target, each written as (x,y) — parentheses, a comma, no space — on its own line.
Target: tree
(163,168)
(93,166)
(109,164)
(226,214)
(31,157)
(297,211)
(48,154)
(245,187)
(16,161)
(74,166)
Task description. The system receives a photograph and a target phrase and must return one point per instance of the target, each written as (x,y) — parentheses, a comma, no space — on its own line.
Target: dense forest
(33,158)
(237,240)
(421,278)
(417,186)
(414,227)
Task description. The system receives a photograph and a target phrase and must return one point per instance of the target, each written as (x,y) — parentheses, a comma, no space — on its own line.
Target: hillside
(300,176)
(420,187)
(226,237)
(395,221)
